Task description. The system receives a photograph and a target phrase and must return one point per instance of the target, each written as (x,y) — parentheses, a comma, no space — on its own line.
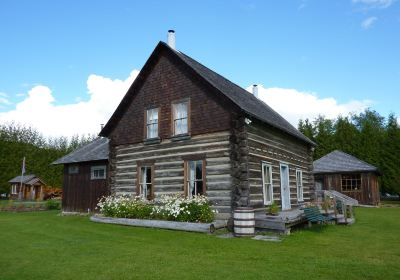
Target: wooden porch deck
(282,222)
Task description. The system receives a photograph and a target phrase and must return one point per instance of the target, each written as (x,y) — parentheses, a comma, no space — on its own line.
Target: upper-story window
(152,123)
(180,117)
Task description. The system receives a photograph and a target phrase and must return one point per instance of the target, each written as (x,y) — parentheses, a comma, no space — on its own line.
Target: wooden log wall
(275,147)
(168,158)
(240,165)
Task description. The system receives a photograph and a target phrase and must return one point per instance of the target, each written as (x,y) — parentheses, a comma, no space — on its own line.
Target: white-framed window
(152,123)
(98,172)
(267,183)
(180,118)
(195,184)
(14,189)
(73,169)
(145,182)
(299,184)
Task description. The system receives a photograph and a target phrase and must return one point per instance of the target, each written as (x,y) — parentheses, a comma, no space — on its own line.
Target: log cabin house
(183,128)
(85,176)
(349,175)
(27,187)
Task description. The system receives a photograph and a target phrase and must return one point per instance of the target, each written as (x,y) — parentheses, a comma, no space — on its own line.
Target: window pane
(180,118)
(199,170)
(148,175)
(268,192)
(199,187)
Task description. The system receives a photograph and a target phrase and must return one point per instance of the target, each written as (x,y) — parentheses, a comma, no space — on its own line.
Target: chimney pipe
(101,126)
(171,39)
(255,91)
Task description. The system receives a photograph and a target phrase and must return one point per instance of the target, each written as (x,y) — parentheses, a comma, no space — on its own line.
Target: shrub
(172,208)
(53,204)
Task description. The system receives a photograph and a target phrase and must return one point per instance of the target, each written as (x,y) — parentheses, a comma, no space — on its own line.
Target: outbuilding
(85,176)
(27,187)
(349,175)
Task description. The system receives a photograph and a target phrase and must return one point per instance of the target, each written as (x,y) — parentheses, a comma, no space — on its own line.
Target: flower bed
(170,208)
(169,212)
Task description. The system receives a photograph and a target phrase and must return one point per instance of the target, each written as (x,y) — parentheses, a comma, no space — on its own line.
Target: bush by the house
(53,204)
(171,208)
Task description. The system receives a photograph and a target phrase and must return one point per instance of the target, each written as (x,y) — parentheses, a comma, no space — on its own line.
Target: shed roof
(338,161)
(93,151)
(30,179)
(246,101)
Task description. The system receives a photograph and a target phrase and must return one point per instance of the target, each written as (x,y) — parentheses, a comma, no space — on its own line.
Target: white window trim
(98,167)
(300,194)
(263,164)
(14,189)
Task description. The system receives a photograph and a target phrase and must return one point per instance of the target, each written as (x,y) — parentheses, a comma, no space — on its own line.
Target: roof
(246,101)
(338,161)
(26,179)
(93,151)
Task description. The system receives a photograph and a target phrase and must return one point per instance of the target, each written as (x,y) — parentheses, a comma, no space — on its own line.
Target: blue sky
(343,51)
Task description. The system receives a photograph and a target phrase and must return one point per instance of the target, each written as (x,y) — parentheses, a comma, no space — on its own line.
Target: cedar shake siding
(168,82)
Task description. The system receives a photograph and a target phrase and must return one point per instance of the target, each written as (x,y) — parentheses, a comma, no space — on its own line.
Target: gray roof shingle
(338,161)
(95,150)
(26,178)
(242,98)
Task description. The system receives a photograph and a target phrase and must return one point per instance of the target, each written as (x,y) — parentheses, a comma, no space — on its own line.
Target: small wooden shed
(85,176)
(349,175)
(27,187)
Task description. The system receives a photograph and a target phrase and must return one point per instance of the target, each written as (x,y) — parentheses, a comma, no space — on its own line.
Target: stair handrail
(342,197)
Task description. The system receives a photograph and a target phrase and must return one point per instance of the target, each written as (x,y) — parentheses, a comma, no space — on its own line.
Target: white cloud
(4,99)
(294,105)
(379,4)
(38,109)
(368,22)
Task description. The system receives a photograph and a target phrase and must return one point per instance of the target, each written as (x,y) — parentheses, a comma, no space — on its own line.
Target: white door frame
(285,190)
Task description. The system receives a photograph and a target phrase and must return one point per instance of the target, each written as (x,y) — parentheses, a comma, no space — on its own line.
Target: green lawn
(42,245)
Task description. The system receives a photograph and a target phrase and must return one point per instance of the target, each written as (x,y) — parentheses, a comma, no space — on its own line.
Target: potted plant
(273,209)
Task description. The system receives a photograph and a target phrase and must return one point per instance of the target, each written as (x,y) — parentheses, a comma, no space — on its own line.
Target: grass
(42,245)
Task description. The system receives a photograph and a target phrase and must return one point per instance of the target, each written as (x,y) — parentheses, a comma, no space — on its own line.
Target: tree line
(18,141)
(367,136)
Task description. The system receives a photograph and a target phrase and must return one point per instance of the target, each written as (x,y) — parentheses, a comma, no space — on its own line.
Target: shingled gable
(244,100)
(340,162)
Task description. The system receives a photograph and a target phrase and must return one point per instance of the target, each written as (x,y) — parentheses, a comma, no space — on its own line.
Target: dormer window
(180,117)
(152,123)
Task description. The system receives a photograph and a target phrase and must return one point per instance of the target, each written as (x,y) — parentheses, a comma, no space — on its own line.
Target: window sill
(180,137)
(152,141)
